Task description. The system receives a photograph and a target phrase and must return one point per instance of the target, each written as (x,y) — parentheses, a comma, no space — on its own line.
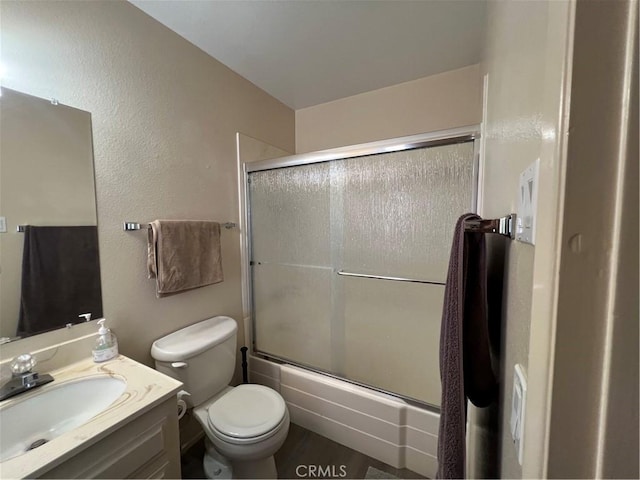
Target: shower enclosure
(348,254)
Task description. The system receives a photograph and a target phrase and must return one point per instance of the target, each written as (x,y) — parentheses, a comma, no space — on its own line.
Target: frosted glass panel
(400,210)
(392,336)
(291,316)
(290,215)
(391,214)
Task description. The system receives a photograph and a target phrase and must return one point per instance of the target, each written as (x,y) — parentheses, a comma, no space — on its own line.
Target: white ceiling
(310,52)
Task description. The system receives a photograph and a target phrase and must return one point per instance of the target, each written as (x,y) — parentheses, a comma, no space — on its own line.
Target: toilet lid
(247,411)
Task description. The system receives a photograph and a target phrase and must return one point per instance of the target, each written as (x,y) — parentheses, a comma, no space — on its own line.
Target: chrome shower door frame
(432,139)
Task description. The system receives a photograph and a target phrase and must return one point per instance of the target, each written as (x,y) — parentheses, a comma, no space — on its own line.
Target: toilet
(244,425)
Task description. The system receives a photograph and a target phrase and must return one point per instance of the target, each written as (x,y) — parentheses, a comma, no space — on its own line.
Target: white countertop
(145,389)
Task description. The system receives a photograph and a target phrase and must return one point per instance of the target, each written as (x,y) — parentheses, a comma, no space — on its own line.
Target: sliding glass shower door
(349,260)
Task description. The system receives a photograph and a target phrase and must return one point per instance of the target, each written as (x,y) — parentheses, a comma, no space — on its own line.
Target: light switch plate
(3,225)
(527,203)
(518,408)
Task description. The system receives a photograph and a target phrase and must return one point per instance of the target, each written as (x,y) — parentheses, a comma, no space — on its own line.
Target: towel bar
(384,277)
(130,226)
(504,226)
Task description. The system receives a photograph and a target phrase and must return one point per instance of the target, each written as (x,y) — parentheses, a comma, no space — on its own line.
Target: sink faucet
(23,378)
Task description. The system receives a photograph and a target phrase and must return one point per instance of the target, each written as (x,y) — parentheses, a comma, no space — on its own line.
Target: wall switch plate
(518,408)
(3,225)
(527,203)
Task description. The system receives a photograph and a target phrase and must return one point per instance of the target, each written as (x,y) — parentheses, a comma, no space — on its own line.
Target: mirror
(49,261)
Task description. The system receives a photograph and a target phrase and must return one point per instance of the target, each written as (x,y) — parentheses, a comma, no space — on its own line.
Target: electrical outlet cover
(527,203)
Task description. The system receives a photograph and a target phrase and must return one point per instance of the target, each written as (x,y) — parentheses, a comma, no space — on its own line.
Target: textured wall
(164,117)
(447,100)
(525,55)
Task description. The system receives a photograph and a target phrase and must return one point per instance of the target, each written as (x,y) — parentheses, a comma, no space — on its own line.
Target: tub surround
(145,390)
(378,425)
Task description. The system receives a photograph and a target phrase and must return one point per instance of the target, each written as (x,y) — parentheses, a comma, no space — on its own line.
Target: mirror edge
(45,340)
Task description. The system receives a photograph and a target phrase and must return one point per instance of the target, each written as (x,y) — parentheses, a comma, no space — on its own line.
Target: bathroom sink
(32,422)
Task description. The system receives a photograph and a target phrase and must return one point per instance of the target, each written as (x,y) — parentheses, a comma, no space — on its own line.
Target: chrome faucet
(23,378)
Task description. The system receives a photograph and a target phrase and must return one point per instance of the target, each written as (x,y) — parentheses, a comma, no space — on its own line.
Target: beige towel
(183,254)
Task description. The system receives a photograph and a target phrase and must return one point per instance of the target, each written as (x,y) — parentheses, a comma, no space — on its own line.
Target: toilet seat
(246,442)
(246,414)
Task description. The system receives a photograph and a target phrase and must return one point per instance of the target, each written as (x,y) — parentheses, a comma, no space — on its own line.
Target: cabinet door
(147,447)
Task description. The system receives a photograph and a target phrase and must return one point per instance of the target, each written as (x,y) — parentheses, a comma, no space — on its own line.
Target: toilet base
(265,468)
(218,467)
(215,465)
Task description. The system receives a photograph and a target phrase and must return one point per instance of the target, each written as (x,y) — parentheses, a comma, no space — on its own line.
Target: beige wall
(46,159)
(594,406)
(571,302)
(525,54)
(164,116)
(447,100)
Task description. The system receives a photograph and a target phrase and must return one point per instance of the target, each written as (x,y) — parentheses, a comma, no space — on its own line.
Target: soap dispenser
(106,346)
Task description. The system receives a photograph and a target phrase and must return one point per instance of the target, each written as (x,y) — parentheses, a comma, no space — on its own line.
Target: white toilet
(245,425)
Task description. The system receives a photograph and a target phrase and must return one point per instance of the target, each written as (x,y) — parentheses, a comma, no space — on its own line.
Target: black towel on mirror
(60,277)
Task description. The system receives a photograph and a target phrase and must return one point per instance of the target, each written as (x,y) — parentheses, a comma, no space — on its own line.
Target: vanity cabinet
(147,446)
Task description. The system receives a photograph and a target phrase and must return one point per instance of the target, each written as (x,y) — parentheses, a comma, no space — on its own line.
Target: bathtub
(381,426)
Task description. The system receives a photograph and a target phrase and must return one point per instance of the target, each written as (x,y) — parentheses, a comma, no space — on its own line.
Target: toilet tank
(202,356)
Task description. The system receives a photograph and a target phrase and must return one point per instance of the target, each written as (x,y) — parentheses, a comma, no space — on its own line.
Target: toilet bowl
(244,425)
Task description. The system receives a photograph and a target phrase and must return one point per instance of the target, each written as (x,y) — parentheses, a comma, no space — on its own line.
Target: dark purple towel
(465,361)
(60,277)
